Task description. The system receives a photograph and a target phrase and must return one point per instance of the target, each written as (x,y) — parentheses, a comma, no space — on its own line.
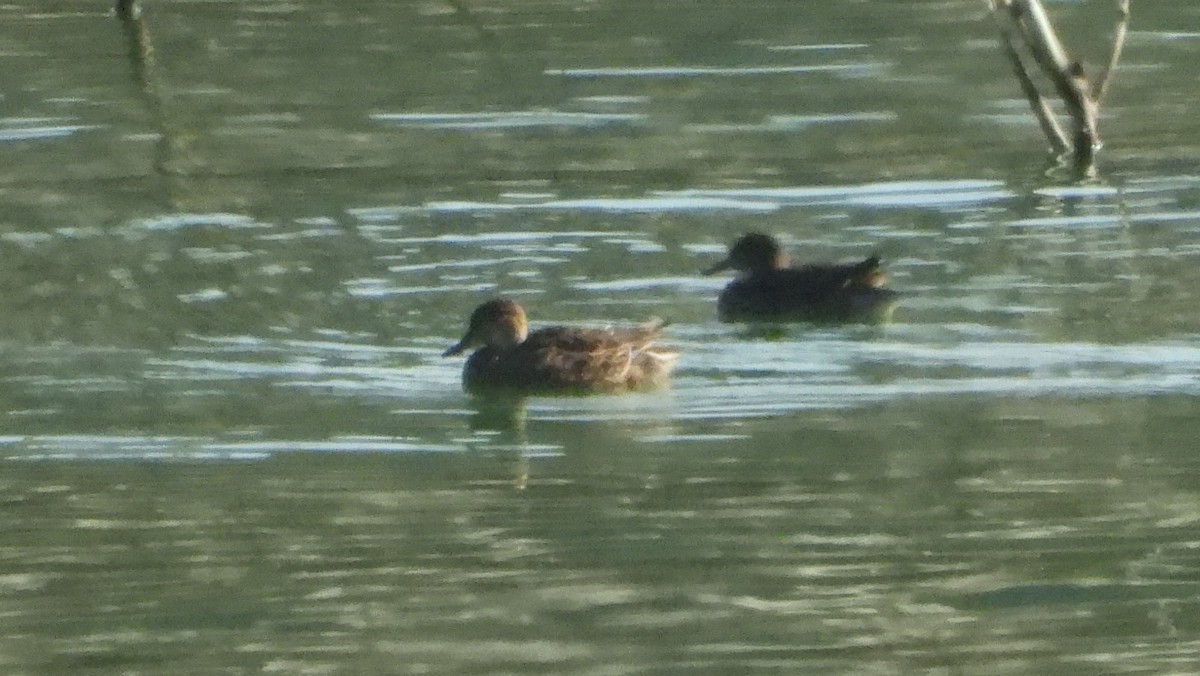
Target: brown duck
(769,289)
(559,359)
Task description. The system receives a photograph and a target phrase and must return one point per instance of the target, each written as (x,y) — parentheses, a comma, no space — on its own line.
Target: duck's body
(559,359)
(769,289)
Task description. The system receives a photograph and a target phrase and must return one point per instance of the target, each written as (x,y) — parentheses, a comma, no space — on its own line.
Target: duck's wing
(651,362)
(825,278)
(595,359)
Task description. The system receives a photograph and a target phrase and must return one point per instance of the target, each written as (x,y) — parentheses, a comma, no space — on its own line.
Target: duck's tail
(869,273)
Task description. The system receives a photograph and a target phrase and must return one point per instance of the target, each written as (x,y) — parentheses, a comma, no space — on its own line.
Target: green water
(238,236)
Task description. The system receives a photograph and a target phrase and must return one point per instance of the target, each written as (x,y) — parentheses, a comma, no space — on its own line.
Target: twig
(1118,43)
(1039,104)
(1040,36)
(1026,22)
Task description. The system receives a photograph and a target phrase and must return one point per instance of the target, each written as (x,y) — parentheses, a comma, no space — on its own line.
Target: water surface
(237,239)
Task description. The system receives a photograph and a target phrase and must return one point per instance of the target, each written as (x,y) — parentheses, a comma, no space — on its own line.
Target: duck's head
(497,323)
(752,251)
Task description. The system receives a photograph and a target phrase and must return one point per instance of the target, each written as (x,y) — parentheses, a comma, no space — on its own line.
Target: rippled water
(237,239)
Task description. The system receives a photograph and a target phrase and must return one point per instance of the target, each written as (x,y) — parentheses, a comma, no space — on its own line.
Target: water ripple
(897,193)
(698,71)
(188,220)
(509,120)
(100,447)
(930,194)
(662,203)
(39,128)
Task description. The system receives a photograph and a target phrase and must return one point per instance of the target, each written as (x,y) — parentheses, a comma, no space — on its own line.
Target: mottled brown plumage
(559,359)
(768,289)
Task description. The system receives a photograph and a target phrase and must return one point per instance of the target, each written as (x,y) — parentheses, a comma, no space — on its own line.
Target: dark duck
(768,289)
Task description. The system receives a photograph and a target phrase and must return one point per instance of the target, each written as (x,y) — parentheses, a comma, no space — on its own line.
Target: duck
(768,288)
(559,359)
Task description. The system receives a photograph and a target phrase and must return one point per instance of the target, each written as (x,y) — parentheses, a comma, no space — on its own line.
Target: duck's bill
(723,265)
(456,348)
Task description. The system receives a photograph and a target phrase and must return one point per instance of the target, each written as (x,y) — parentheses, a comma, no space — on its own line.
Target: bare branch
(1105,76)
(1067,76)
(1040,35)
(1039,104)
(1025,22)
(1084,113)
